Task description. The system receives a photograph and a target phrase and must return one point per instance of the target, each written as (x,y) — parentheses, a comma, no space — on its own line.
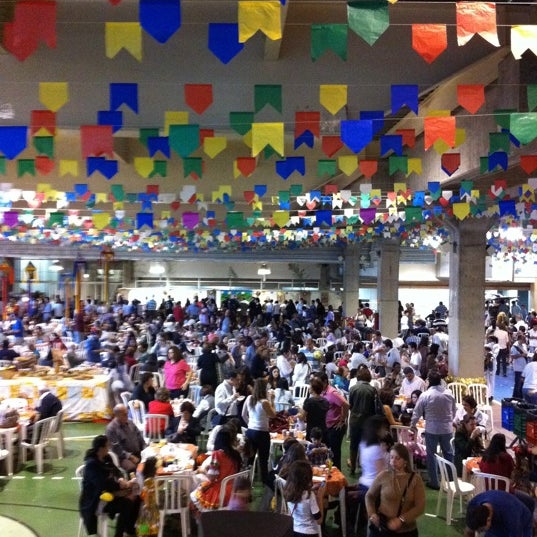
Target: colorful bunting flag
(429,40)
(329,37)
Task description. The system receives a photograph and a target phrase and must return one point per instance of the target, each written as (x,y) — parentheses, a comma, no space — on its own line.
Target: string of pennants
(34,22)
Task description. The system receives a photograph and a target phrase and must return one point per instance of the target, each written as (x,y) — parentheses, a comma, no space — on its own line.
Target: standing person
(400,496)
(504,342)
(315,408)
(336,418)
(145,390)
(362,399)
(305,505)
(498,513)
(302,369)
(101,475)
(207,364)
(256,412)
(519,359)
(437,405)
(177,373)
(529,381)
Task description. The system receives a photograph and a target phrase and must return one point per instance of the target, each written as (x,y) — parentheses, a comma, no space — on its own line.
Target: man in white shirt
(357,357)
(411,383)
(415,356)
(285,365)
(226,396)
(392,355)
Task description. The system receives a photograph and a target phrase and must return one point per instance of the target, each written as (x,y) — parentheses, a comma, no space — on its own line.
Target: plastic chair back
(137,412)
(156,425)
(458,389)
(173,494)
(484,482)
(228,482)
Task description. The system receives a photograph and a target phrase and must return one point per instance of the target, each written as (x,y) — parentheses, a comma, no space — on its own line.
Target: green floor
(48,503)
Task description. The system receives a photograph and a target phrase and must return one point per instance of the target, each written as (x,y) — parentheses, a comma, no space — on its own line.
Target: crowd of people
(248,363)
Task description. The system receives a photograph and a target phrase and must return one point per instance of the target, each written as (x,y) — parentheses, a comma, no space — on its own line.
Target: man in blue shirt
(498,514)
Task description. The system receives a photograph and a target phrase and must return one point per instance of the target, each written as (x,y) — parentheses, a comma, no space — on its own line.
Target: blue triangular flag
(160,18)
(224,40)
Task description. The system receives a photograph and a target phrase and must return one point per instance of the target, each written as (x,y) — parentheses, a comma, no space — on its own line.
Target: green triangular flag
(3,165)
(193,166)
(499,141)
(132,197)
(483,164)
(241,122)
(523,126)
(503,117)
(235,220)
(413,214)
(184,139)
(397,164)
(326,167)
(44,145)
(25,166)
(160,167)
(56,218)
(368,19)
(117,192)
(268,94)
(295,190)
(329,37)
(148,133)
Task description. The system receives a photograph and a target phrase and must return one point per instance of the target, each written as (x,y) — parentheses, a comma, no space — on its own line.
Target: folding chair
(227,486)
(155,426)
(173,498)
(41,433)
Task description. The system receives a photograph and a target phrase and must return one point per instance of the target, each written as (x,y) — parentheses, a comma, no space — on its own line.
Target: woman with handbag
(399,494)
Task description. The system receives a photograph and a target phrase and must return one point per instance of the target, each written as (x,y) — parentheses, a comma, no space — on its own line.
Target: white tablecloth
(82,400)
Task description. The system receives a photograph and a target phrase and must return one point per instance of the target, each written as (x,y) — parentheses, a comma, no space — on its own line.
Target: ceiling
(80,60)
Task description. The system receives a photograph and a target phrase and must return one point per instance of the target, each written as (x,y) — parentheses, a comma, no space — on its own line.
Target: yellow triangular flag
(247,139)
(143,165)
(414,166)
(259,15)
(53,95)
(257,205)
(101,220)
(69,166)
(280,218)
(333,97)
(264,134)
(348,164)
(123,35)
(101,197)
(214,146)
(174,117)
(43,188)
(118,205)
(461,210)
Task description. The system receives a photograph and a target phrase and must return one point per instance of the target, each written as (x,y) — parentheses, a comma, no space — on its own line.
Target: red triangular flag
(368,167)
(246,165)
(331,145)
(199,96)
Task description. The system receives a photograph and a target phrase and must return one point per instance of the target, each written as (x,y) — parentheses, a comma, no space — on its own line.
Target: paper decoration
(193,167)
(108,168)
(241,122)
(524,126)
(124,94)
(143,165)
(476,18)
(348,164)
(408,137)
(13,141)
(184,139)
(368,168)
(44,145)
(268,94)
(33,22)
(523,37)
(356,134)
(199,97)
(123,35)
(331,145)
(259,15)
(531,93)
(25,166)
(111,118)
(404,94)
(333,97)
(451,162)
(528,163)
(96,140)
(329,37)
(44,165)
(429,40)
(158,143)
(439,128)
(368,19)
(307,122)
(391,142)
(471,97)
(174,117)
(42,122)
(160,18)
(264,134)
(224,41)
(53,95)
(214,146)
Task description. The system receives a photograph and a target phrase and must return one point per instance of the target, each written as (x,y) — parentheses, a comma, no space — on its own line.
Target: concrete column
(388,286)
(351,279)
(466,297)
(324,284)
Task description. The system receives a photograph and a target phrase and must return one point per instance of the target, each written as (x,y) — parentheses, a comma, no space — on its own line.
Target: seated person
(101,475)
(144,391)
(6,353)
(283,398)
(469,406)
(205,405)
(467,442)
(161,405)
(189,426)
(317,452)
(387,398)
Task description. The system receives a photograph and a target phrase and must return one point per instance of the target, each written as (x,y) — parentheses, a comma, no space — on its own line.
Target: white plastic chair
(158,380)
(452,486)
(153,426)
(137,412)
(194,393)
(173,497)
(226,481)
(321,342)
(281,504)
(125,398)
(481,394)
(7,442)
(458,389)
(57,433)
(134,372)
(204,436)
(300,393)
(41,432)
(484,482)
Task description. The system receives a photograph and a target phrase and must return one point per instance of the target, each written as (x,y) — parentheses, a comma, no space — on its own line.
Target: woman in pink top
(177,373)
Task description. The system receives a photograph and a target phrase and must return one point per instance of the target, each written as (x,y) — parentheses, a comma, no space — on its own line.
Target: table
(277,440)
(469,465)
(82,400)
(335,486)
(181,456)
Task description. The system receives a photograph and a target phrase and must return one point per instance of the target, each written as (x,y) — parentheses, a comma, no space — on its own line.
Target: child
(317,452)
(303,504)
(241,496)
